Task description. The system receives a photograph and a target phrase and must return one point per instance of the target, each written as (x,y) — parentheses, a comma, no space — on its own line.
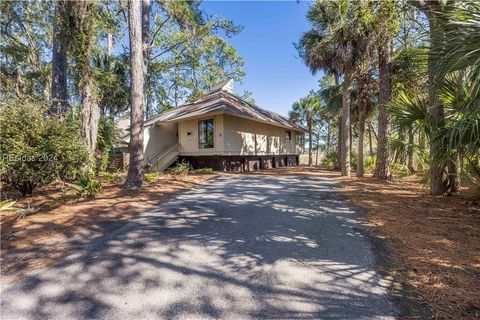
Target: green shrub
(369,163)
(330,159)
(108,136)
(88,186)
(111,177)
(37,149)
(181,168)
(149,177)
(203,171)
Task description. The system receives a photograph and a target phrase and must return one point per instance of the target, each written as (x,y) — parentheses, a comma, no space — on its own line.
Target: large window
(205,134)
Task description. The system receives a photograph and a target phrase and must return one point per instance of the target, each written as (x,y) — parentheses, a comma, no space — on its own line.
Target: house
(220,131)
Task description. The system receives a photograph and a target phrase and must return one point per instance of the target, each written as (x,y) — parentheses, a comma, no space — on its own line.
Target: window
(205,134)
(288,135)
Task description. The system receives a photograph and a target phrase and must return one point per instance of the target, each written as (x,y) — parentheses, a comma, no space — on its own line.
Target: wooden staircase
(165,158)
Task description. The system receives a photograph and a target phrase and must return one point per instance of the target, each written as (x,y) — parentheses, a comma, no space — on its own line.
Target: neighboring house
(221,131)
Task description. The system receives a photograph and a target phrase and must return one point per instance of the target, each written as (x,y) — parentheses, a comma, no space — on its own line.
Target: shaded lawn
(50,234)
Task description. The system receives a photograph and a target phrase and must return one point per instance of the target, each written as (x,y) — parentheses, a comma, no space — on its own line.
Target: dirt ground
(434,242)
(56,229)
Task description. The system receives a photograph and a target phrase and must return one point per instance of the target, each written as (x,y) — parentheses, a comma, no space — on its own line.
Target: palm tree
(136,168)
(335,44)
(384,22)
(331,95)
(365,85)
(306,111)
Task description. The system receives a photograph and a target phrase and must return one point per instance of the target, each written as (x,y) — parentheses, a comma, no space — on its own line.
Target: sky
(274,73)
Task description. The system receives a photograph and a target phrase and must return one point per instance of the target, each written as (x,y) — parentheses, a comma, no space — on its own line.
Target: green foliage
(7,205)
(108,136)
(89,186)
(111,177)
(202,171)
(330,159)
(149,177)
(189,55)
(369,163)
(353,159)
(471,173)
(305,110)
(37,149)
(25,44)
(112,76)
(180,168)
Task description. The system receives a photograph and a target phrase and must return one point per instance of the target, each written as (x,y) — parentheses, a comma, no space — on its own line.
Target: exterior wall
(237,136)
(248,137)
(188,136)
(157,138)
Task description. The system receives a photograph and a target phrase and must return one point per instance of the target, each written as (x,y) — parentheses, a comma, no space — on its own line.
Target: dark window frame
(206,139)
(288,135)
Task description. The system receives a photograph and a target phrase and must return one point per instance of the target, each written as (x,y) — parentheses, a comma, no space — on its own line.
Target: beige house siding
(247,137)
(232,136)
(158,137)
(188,136)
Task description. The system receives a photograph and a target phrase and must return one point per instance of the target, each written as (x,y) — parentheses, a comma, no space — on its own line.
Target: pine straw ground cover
(58,228)
(433,242)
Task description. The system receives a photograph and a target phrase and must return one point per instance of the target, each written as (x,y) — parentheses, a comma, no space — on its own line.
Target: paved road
(238,247)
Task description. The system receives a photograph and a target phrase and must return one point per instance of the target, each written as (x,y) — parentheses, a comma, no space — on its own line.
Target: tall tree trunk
(439,180)
(136,168)
(59,93)
(345,157)
(454,172)
(146,9)
(83,13)
(370,147)
(90,113)
(318,150)
(411,142)
(382,168)
(339,143)
(361,133)
(309,142)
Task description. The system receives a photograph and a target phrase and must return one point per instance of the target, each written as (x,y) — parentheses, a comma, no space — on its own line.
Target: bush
(181,168)
(203,171)
(108,136)
(369,163)
(37,149)
(111,177)
(330,159)
(149,177)
(88,186)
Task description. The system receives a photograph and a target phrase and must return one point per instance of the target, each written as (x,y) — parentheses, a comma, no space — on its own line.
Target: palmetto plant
(306,111)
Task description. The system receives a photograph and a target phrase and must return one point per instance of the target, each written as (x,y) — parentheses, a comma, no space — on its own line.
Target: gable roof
(220,100)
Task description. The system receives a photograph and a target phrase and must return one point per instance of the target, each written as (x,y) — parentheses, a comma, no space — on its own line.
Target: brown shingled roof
(223,101)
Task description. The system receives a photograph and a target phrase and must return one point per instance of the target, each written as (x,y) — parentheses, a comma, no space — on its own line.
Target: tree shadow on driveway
(239,247)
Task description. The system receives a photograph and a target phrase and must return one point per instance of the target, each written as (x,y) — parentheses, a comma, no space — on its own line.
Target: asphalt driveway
(238,247)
